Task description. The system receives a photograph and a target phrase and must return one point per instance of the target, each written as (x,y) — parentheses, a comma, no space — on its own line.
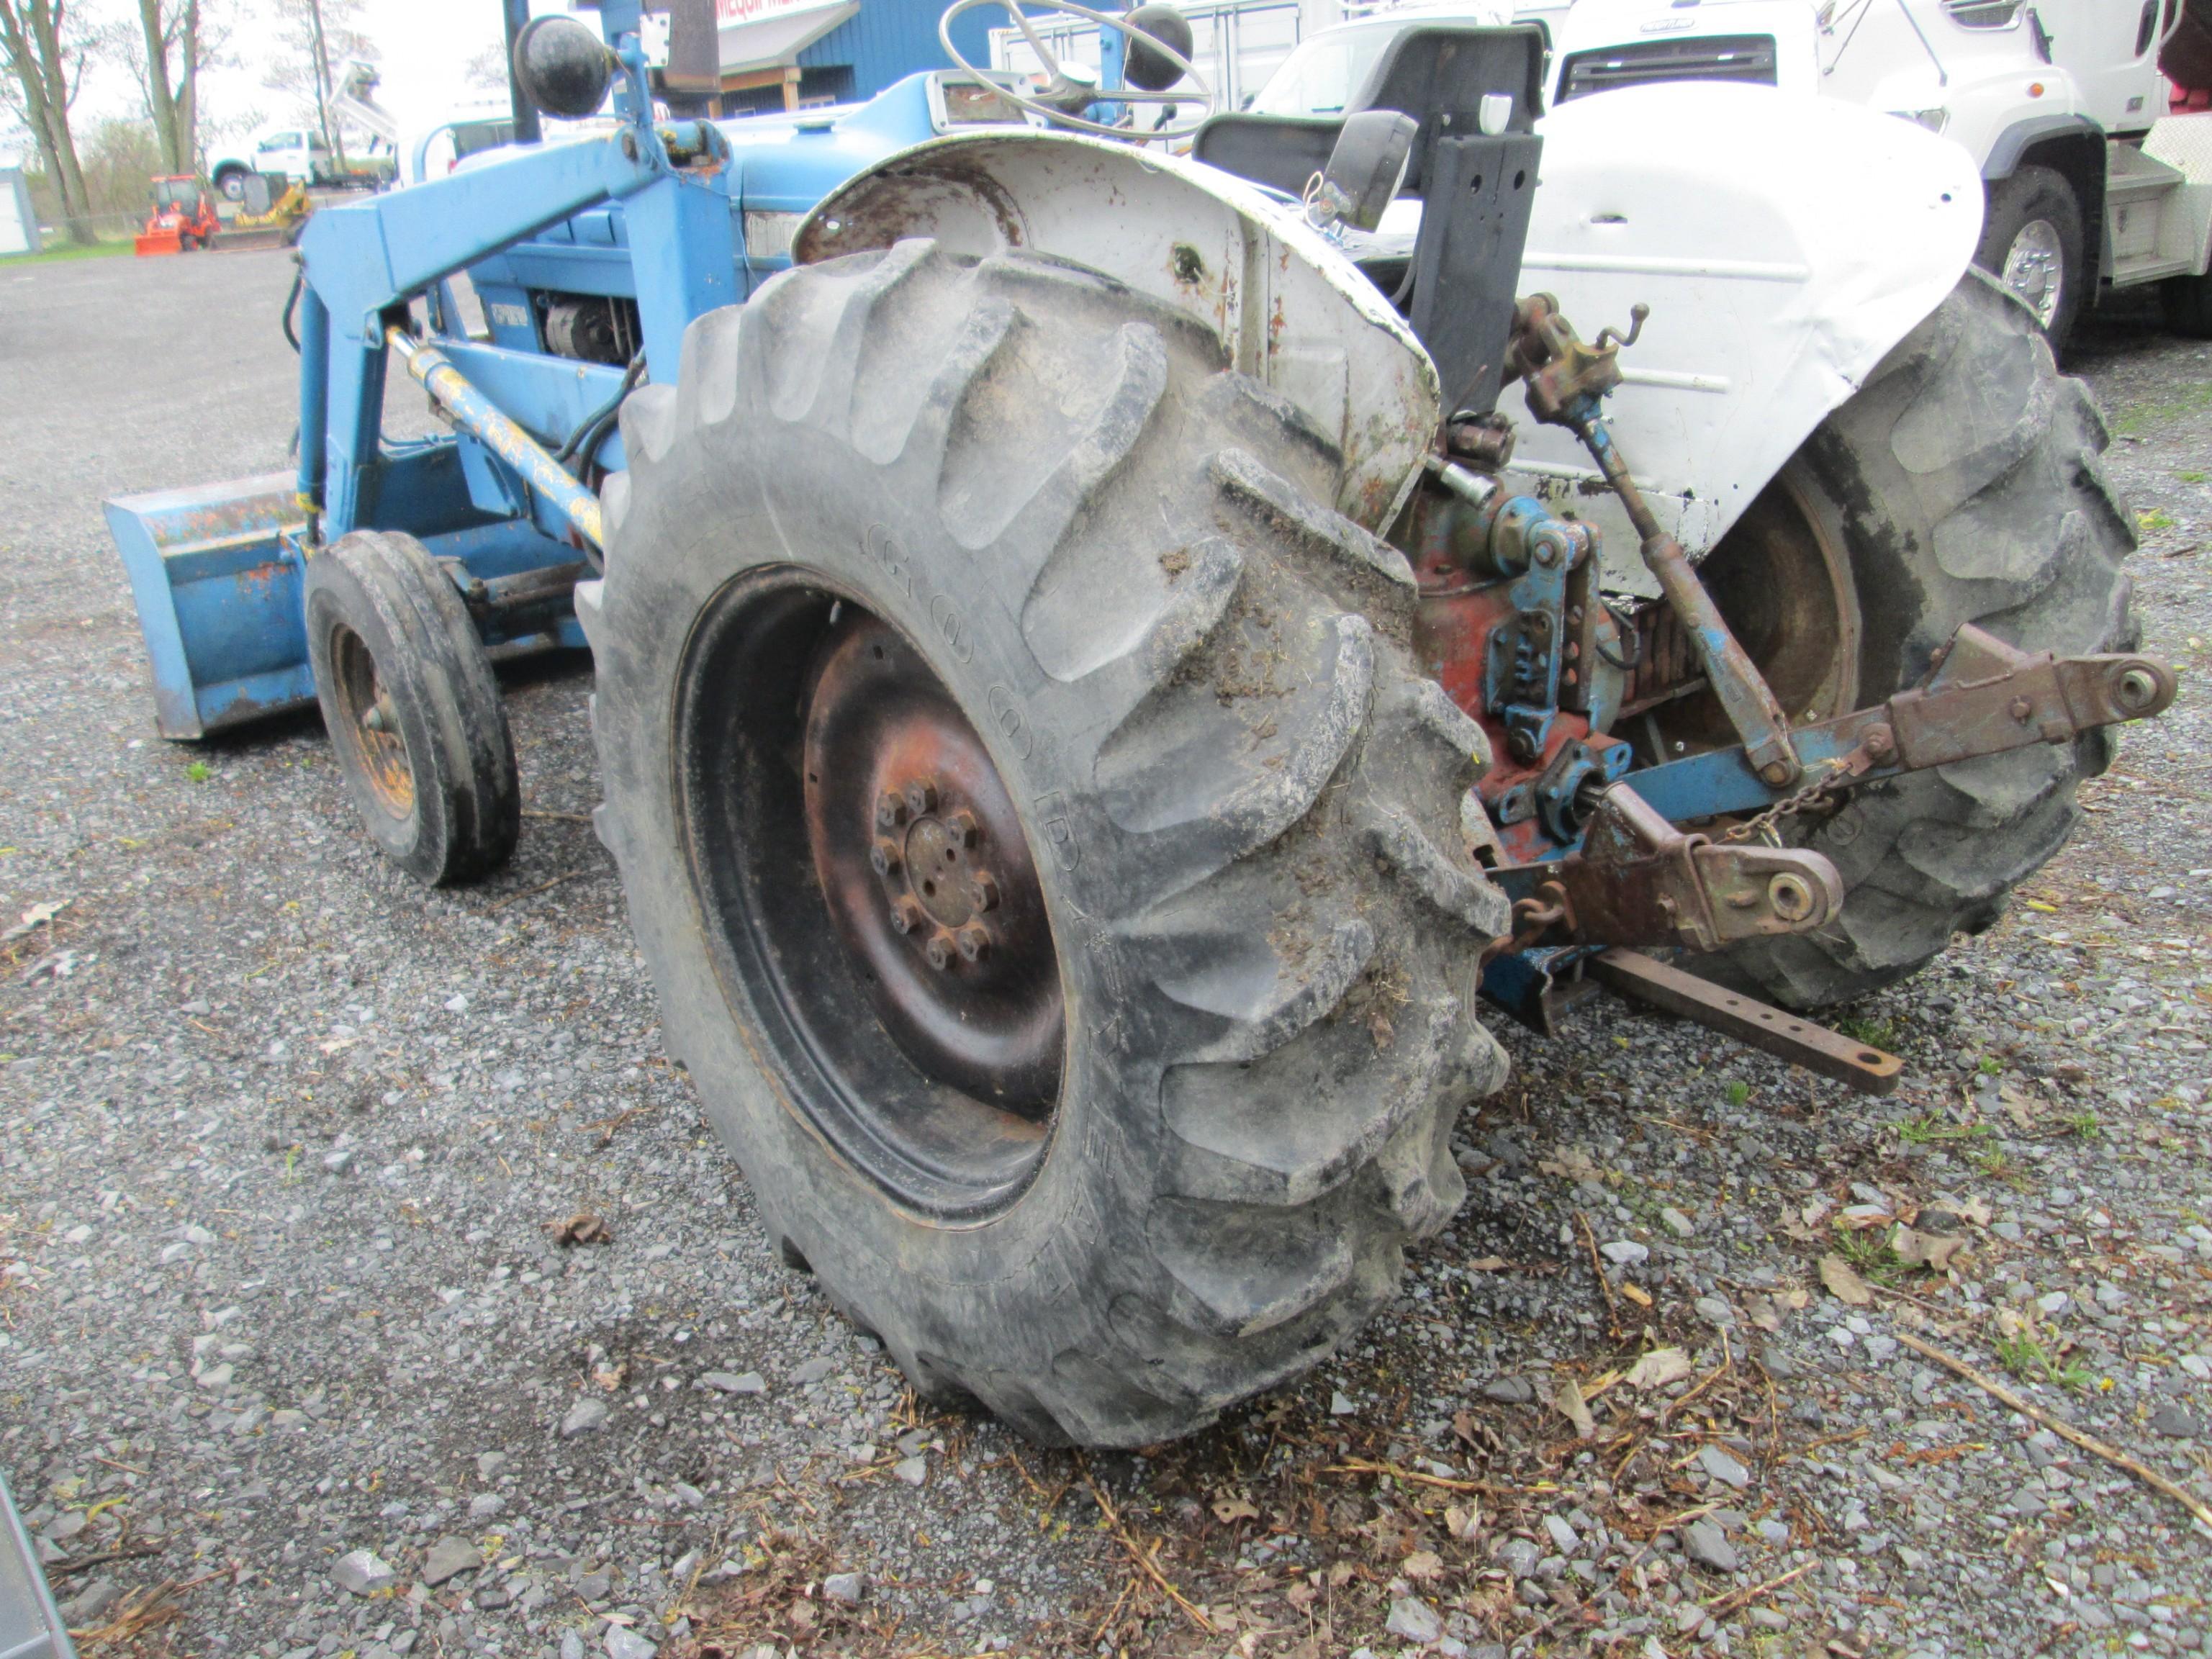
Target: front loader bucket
(158,241)
(218,596)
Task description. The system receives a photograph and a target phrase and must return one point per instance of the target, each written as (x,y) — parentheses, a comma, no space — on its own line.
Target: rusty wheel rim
(928,878)
(369,724)
(869,896)
(1782,576)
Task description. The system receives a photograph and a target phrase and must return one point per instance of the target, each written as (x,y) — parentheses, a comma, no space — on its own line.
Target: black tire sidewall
(386,588)
(834,517)
(2033,193)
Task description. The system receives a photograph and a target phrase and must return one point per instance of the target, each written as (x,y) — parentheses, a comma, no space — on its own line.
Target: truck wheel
(2032,243)
(231,182)
(1961,483)
(1045,850)
(412,708)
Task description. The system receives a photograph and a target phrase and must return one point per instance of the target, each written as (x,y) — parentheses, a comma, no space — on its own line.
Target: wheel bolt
(975,943)
(921,797)
(963,830)
(983,891)
(883,859)
(906,916)
(940,951)
(891,810)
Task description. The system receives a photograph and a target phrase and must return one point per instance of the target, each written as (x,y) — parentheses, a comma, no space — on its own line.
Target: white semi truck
(2095,180)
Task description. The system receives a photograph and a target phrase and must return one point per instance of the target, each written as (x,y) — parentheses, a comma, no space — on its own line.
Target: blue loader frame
(652,215)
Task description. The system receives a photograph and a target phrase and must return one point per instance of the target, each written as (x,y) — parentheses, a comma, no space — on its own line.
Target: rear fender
(1784,246)
(1288,307)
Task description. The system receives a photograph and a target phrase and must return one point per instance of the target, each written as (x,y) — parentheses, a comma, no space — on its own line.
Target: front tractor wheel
(412,709)
(1046,854)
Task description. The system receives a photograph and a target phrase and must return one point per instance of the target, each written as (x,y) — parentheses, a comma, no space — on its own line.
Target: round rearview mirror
(1147,66)
(563,65)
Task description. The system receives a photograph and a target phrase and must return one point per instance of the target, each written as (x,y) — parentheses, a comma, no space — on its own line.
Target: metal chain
(1767,823)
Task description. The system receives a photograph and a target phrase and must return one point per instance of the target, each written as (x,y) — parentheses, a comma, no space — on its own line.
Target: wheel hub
(927,873)
(2035,267)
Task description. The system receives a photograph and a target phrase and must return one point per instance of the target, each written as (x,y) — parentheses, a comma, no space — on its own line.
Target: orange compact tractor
(183,216)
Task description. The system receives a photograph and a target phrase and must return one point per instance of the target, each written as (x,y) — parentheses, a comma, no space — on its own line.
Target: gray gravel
(284,1324)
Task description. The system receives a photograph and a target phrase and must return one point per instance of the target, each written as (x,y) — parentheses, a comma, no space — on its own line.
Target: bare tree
(315,34)
(45,60)
(174,41)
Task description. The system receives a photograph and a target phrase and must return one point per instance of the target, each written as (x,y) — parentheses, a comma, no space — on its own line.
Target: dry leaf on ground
(1844,1284)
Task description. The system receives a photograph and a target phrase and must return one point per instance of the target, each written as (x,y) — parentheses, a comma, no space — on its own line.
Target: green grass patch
(1931,1128)
(1874,1033)
(1738,1092)
(2155,518)
(2192,476)
(63,253)
(199,772)
(2027,1358)
(2137,419)
(1996,1165)
(2083,1125)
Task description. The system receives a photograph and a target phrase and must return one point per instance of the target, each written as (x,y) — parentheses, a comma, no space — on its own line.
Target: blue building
(791,54)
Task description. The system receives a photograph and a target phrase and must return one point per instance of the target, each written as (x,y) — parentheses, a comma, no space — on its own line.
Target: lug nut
(891,810)
(921,797)
(963,829)
(983,891)
(1881,742)
(906,916)
(974,942)
(883,859)
(940,951)
(1774,772)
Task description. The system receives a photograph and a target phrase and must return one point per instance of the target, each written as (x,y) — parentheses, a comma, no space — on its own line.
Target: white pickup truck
(2091,184)
(298,154)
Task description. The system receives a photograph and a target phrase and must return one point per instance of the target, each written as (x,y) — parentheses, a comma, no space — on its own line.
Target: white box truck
(2082,115)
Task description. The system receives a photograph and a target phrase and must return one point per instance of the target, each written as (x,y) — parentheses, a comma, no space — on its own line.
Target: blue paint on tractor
(650,214)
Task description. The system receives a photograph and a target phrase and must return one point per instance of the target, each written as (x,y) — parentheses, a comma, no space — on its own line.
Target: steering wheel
(1070,86)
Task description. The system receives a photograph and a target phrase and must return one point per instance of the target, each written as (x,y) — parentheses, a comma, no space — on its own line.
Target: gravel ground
(288,1327)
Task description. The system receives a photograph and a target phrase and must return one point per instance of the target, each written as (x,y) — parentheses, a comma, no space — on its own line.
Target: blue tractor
(1111,625)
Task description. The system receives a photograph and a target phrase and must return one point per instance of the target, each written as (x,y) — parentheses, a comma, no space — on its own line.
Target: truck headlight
(1934,119)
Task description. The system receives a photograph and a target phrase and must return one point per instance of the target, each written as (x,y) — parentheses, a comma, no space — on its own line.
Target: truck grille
(1705,58)
(1983,14)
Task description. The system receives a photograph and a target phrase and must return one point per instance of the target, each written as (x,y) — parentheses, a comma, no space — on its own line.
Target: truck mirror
(1366,167)
(1146,66)
(563,66)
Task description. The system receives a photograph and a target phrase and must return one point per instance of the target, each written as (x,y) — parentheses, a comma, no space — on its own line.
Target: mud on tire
(1241,797)
(1966,476)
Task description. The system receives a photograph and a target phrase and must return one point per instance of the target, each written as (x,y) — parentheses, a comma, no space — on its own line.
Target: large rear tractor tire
(1962,484)
(1044,848)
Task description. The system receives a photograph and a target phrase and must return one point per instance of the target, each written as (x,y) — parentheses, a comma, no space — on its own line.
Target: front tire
(2032,243)
(412,708)
(1020,531)
(1963,485)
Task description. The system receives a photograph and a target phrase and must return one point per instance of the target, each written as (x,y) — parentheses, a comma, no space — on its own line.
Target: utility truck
(1082,704)
(2090,184)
